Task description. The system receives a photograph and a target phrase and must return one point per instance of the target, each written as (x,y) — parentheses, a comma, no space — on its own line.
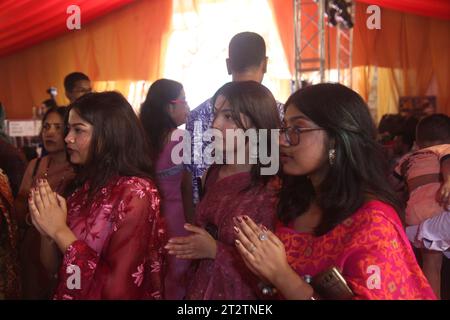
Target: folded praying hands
(261,250)
(48,209)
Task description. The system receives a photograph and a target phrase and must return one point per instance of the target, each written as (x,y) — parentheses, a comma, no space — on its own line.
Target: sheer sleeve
(130,264)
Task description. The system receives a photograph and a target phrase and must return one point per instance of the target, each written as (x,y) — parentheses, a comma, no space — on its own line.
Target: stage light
(338,12)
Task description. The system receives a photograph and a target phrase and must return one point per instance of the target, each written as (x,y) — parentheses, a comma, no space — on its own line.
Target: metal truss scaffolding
(344,45)
(309,38)
(309,20)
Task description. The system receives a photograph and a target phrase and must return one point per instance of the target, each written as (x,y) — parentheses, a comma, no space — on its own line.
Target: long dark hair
(359,170)
(154,116)
(256,102)
(118,145)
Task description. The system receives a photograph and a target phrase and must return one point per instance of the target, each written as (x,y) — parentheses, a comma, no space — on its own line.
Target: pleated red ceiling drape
(430,8)
(126,45)
(24,23)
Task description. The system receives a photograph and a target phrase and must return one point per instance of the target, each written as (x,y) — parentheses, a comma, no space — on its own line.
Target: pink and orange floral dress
(370,249)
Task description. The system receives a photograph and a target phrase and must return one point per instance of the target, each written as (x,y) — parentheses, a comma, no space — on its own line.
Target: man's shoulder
(203,107)
(202,113)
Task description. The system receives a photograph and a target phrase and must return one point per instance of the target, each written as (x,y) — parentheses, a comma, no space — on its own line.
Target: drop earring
(332,156)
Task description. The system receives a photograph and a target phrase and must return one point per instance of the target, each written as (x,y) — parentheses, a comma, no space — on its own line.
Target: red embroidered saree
(9,260)
(227,277)
(119,247)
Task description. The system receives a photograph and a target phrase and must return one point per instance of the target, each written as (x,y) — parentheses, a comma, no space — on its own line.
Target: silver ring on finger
(262,236)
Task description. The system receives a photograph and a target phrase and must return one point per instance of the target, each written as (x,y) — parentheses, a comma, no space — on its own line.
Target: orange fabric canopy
(129,44)
(24,23)
(125,45)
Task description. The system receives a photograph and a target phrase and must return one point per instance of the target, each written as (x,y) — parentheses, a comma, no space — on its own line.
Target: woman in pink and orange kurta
(370,249)
(335,210)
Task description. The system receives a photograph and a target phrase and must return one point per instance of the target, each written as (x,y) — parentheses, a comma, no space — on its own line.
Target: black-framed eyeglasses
(292,134)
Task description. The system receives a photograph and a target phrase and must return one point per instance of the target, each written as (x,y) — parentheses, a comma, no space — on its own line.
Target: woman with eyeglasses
(338,234)
(164,109)
(55,167)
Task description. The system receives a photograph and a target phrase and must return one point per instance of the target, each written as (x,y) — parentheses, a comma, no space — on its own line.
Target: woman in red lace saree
(109,231)
(230,189)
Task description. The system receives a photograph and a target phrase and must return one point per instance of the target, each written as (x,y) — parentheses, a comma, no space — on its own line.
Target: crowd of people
(107,212)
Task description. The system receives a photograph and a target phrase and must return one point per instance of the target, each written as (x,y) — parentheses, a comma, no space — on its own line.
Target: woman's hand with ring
(260,249)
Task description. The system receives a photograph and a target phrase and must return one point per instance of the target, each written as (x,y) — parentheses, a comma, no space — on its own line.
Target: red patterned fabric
(226,277)
(24,22)
(119,250)
(371,250)
(9,260)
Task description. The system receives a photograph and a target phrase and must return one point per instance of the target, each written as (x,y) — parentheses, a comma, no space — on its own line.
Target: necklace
(58,186)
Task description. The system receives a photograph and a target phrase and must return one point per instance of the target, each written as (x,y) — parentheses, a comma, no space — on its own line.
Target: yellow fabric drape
(362,80)
(126,45)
